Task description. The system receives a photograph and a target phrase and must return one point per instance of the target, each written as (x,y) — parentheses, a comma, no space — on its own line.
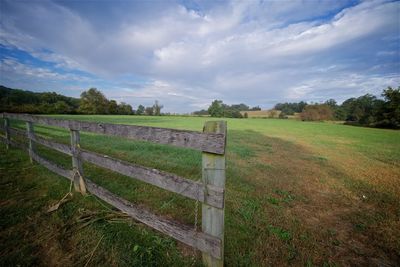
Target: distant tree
(387,113)
(245,115)
(157,108)
(392,97)
(291,108)
(229,112)
(360,110)
(317,112)
(60,107)
(331,102)
(15,100)
(125,109)
(201,112)
(219,109)
(113,107)
(216,109)
(49,97)
(140,110)
(149,111)
(339,113)
(273,113)
(256,108)
(93,102)
(240,107)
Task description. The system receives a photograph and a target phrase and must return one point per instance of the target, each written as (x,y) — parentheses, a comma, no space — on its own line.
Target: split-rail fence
(212,142)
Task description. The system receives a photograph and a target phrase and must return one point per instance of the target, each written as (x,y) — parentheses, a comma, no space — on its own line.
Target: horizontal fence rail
(186,234)
(206,142)
(54,145)
(51,166)
(14,131)
(214,196)
(210,191)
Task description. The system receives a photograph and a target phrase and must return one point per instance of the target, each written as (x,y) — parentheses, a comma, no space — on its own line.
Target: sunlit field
(297,193)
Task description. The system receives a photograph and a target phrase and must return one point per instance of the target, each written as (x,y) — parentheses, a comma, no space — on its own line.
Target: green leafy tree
(256,108)
(229,112)
(60,107)
(360,110)
(93,102)
(240,107)
(389,112)
(125,109)
(140,110)
(149,111)
(200,112)
(339,113)
(216,109)
(113,107)
(15,100)
(291,108)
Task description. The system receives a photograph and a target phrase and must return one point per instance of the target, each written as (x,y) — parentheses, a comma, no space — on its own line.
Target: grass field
(298,193)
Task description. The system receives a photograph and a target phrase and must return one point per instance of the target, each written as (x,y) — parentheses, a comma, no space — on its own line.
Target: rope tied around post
(78,180)
(77,177)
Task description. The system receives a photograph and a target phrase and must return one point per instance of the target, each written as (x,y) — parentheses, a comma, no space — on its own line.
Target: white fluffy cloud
(257,52)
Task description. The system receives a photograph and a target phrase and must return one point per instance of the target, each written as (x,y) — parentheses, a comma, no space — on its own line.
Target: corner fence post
(30,133)
(77,175)
(7,131)
(213,173)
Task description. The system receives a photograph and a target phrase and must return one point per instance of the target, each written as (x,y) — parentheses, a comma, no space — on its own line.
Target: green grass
(298,193)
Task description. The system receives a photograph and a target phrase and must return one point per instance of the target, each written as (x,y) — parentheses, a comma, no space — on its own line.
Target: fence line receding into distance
(210,191)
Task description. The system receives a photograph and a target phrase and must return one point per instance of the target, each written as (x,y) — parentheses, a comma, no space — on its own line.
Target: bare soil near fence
(298,194)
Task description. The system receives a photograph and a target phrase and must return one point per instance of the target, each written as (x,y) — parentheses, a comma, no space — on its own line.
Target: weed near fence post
(213,173)
(31,135)
(77,175)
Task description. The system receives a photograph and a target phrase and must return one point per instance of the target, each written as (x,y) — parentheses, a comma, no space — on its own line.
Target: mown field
(298,193)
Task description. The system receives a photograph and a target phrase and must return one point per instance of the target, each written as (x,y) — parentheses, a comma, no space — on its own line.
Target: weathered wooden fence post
(213,173)
(7,131)
(79,183)
(30,132)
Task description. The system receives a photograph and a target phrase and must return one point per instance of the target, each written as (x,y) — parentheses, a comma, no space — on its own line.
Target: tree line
(367,110)
(20,101)
(92,101)
(219,109)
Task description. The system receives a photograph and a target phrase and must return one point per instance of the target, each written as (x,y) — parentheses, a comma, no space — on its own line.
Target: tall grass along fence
(210,191)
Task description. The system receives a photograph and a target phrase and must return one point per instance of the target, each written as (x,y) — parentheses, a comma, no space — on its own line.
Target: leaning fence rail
(210,191)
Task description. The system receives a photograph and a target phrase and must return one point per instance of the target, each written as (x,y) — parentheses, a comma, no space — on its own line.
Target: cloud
(18,75)
(258,52)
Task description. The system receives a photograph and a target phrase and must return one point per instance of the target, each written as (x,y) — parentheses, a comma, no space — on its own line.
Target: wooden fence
(210,191)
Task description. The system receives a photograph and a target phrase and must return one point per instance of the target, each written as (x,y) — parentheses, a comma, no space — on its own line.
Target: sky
(186,53)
